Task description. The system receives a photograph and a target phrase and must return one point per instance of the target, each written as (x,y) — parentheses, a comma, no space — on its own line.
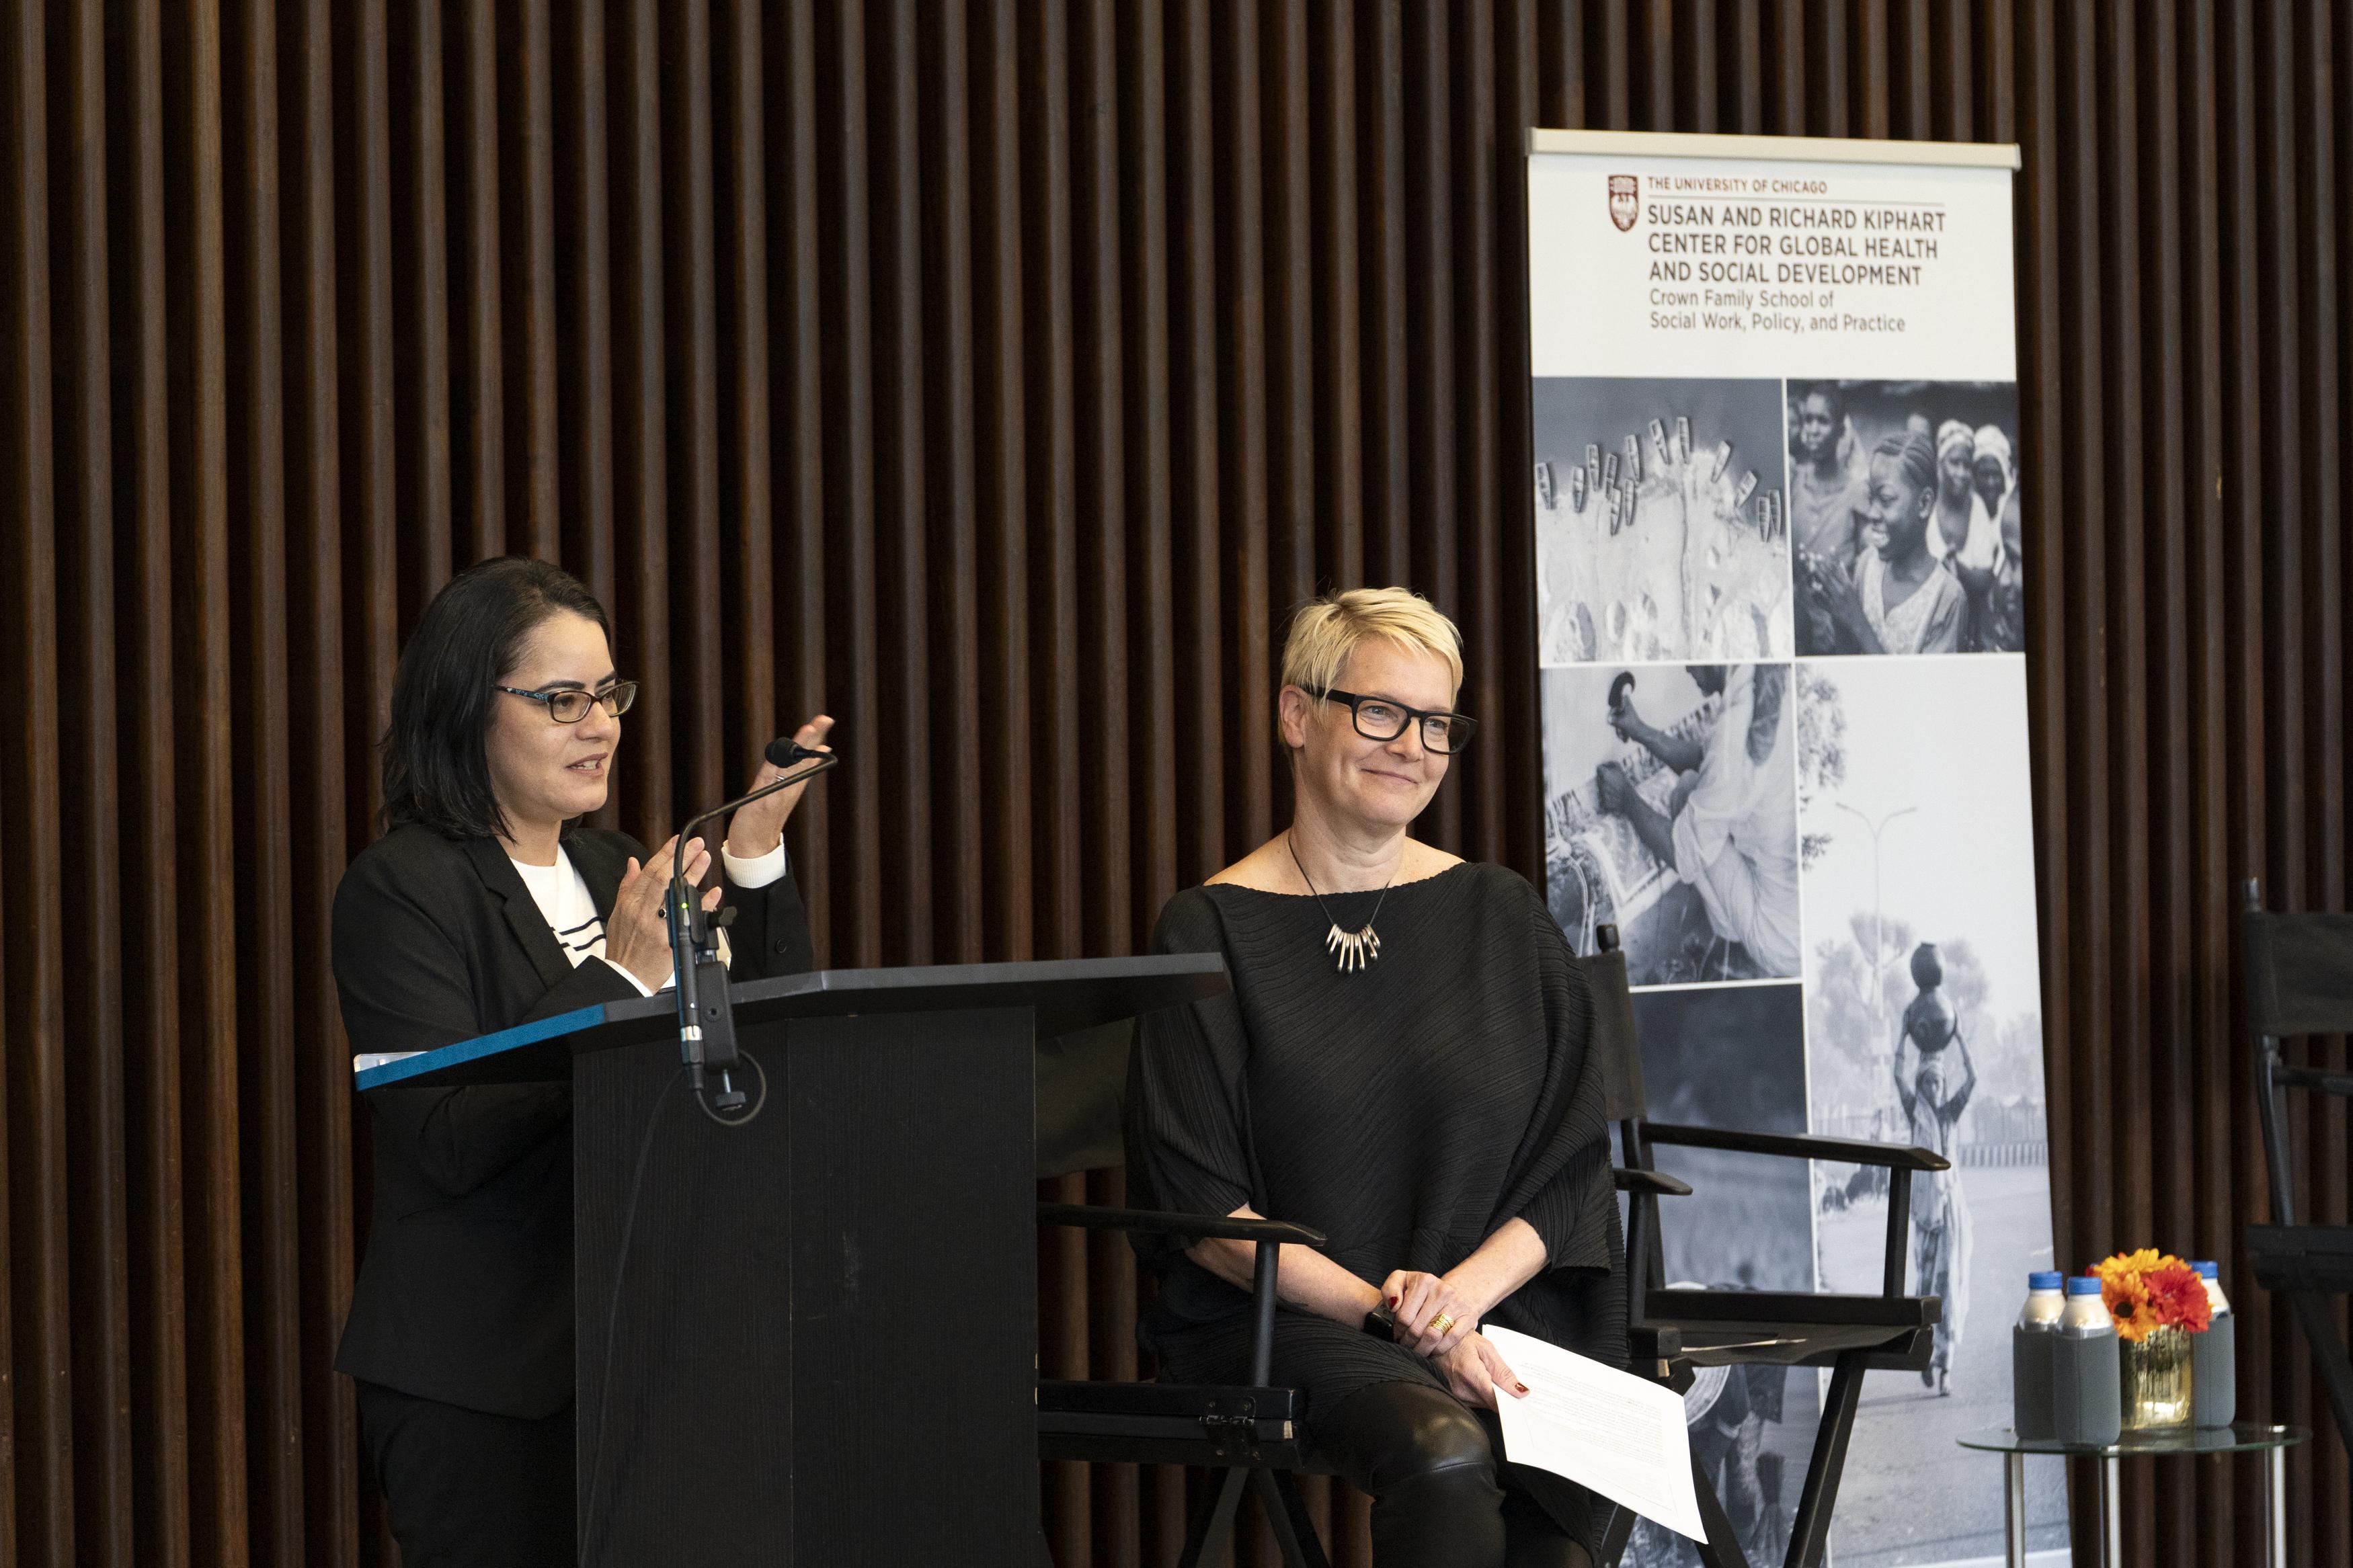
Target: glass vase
(2156,1383)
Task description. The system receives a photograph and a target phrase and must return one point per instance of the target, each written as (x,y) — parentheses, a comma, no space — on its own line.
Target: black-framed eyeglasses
(570,704)
(1379,719)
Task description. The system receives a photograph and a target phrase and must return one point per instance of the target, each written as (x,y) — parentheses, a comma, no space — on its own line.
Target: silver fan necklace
(1356,948)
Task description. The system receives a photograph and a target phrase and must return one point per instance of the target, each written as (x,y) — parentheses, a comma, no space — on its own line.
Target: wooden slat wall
(995,375)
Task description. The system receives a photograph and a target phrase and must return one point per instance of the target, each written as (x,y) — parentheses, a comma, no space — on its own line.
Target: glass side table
(2243,1437)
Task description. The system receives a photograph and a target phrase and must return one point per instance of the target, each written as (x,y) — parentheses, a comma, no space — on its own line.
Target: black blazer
(465,1293)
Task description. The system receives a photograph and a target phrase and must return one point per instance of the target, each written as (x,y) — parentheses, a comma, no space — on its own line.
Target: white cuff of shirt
(757,872)
(643,990)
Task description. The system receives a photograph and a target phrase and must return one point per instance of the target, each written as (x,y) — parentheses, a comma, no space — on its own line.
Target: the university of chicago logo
(1624,192)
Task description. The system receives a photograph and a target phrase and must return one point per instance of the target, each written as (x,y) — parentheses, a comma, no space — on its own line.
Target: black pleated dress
(1406,1111)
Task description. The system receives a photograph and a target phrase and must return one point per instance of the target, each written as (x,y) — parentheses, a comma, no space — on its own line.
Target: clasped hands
(1437,1321)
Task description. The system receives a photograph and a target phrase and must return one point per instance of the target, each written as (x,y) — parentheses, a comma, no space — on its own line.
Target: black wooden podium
(822,1348)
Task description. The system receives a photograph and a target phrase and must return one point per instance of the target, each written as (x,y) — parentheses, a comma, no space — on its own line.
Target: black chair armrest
(1798,1146)
(1155,1222)
(1654,1342)
(2314,1078)
(1656,1184)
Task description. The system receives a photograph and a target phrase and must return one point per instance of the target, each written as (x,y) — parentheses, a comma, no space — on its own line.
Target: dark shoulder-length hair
(436,769)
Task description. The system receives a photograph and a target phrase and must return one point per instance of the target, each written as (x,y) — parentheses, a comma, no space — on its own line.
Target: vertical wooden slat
(2175,1020)
(89,756)
(150,886)
(319,824)
(747,520)
(1193,449)
(1517,822)
(1291,246)
(583,283)
(1144,226)
(1003,475)
(529,306)
(1479,483)
(255,591)
(1060,918)
(697,717)
(801,574)
(903,496)
(640,413)
(420,217)
(1339,435)
(1111,781)
(371,492)
(1237,215)
(1380,100)
(204,764)
(37,1294)
(847,243)
(951,488)
(475,253)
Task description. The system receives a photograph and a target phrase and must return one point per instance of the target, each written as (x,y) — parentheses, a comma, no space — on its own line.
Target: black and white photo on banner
(1661,532)
(1904,507)
(1671,812)
(1923,1027)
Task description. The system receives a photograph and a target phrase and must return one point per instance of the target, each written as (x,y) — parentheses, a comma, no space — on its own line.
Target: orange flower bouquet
(2147,1291)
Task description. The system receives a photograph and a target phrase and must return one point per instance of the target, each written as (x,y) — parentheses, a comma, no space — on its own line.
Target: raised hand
(759,827)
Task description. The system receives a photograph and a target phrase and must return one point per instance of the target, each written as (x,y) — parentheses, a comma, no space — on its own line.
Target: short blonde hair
(1326,630)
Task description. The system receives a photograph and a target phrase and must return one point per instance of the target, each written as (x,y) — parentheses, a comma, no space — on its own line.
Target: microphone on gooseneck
(785,751)
(706,1029)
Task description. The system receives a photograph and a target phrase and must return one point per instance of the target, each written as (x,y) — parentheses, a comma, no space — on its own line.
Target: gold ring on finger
(1441,1323)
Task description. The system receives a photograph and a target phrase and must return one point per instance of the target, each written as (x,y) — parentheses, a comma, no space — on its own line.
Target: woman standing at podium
(1401,1064)
(484,906)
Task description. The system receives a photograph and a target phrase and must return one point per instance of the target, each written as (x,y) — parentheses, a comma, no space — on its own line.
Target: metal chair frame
(2308,1264)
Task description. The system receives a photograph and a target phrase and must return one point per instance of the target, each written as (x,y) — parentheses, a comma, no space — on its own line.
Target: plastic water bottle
(2087,1401)
(2213,1357)
(2030,1345)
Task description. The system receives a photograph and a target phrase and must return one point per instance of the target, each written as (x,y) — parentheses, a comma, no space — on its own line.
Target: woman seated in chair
(1401,1064)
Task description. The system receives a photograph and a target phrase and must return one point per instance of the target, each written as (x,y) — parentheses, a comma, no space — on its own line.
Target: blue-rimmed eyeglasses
(1379,719)
(569,705)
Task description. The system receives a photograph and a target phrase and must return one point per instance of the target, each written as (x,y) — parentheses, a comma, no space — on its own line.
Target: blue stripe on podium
(475,1050)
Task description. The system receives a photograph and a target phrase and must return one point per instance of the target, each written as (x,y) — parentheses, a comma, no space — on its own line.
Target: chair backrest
(1082,1093)
(2299,981)
(2299,973)
(1614,1033)
(1619,1039)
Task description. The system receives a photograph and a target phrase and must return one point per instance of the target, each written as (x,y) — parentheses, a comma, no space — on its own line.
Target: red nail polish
(1523,1387)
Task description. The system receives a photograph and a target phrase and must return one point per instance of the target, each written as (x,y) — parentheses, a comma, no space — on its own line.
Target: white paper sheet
(1608,1431)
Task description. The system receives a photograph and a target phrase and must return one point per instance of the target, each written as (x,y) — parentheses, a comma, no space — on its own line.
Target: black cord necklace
(1356,947)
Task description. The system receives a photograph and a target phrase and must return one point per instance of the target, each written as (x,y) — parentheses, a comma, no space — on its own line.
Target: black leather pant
(1437,1498)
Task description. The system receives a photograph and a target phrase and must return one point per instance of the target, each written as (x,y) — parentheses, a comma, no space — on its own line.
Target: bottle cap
(2207,1270)
(2045,1279)
(2083,1285)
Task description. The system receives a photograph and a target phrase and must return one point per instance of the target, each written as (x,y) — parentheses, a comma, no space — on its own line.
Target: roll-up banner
(1780,585)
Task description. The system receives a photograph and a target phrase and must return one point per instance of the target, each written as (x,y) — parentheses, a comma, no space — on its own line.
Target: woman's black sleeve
(1561,1182)
(770,933)
(406,987)
(1187,1142)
